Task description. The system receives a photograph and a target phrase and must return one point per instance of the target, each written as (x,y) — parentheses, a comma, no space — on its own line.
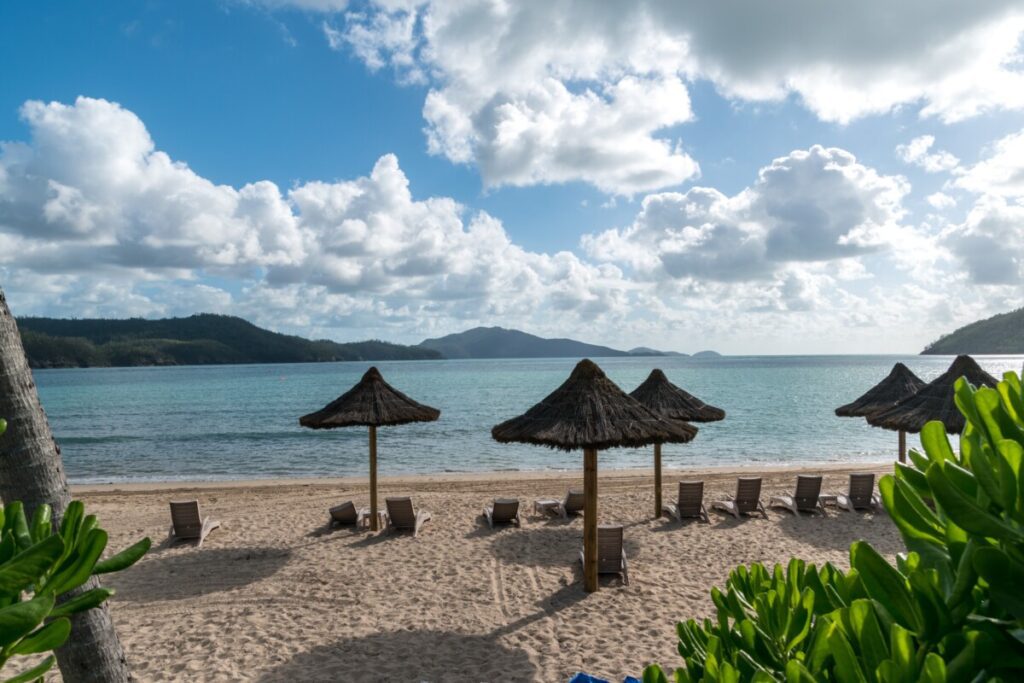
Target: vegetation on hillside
(1003,333)
(197,340)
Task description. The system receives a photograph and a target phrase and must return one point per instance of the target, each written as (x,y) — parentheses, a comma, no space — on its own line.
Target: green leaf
(871,641)
(654,674)
(885,584)
(49,637)
(80,603)
(847,668)
(29,566)
(796,672)
(35,673)
(965,512)
(40,526)
(123,559)
(934,670)
(81,568)
(18,525)
(21,618)
(1004,575)
(936,443)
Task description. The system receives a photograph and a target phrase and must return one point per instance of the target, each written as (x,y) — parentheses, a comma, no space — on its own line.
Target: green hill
(1000,334)
(203,339)
(497,342)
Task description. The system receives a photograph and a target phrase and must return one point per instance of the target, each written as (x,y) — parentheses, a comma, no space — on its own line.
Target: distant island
(498,342)
(204,339)
(1000,334)
(210,339)
(707,354)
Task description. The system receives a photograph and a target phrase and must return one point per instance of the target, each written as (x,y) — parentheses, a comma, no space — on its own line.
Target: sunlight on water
(233,422)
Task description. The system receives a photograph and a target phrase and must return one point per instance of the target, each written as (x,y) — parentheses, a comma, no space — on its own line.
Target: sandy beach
(275,595)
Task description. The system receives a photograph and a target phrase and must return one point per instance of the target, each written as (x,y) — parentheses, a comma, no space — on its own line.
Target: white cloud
(940,201)
(810,206)
(554,91)
(916,152)
(1002,173)
(990,242)
(96,220)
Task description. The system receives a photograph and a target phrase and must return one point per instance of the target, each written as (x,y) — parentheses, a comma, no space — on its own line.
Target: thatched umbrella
(590,412)
(371,403)
(934,401)
(672,403)
(900,385)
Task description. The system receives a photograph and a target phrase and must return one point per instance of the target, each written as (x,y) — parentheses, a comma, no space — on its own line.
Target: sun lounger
(861,494)
(573,504)
(188,524)
(502,511)
(347,514)
(611,558)
(690,502)
(746,501)
(806,498)
(402,516)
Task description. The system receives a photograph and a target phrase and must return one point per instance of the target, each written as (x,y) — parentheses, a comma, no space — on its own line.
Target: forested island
(1000,334)
(203,339)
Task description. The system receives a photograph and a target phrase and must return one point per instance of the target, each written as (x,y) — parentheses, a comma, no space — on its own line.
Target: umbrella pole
(589,520)
(657,480)
(374,524)
(903,446)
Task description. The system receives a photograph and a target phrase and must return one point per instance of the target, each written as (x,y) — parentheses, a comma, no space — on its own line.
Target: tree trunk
(903,446)
(31,471)
(589,520)
(657,480)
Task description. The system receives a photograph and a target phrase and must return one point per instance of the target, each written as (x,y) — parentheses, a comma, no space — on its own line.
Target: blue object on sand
(587,678)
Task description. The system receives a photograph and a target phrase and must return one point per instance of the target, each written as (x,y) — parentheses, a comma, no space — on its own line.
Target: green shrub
(38,566)
(951,609)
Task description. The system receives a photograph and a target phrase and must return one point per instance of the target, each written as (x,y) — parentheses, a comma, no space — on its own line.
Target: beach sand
(274,595)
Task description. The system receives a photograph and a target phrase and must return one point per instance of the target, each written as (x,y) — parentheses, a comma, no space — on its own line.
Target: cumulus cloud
(543,92)
(916,152)
(809,206)
(990,243)
(89,193)
(940,201)
(1001,173)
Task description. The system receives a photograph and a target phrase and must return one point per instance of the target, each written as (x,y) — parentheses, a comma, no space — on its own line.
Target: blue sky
(534,143)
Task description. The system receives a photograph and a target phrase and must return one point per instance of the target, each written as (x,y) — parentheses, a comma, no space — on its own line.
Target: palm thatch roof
(934,401)
(371,402)
(591,411)
(668,400)
(900,384)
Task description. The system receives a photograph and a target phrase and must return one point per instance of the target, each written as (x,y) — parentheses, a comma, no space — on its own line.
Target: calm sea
(239,422)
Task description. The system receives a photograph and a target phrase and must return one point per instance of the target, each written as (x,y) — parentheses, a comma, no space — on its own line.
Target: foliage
(951,608)
(196,340)
(1001,333)
(39,567)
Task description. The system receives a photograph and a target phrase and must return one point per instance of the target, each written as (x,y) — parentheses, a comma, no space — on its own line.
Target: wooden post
(903,446)
(590,520)
(657,480)
(374,524)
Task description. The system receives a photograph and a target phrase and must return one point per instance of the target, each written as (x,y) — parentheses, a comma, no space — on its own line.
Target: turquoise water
(235,422)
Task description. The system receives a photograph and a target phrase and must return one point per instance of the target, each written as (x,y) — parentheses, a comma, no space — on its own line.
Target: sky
(750,177)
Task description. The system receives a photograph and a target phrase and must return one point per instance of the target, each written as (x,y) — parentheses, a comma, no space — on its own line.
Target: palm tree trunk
(31,471)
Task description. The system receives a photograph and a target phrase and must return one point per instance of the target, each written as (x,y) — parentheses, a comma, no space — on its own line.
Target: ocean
(241,421)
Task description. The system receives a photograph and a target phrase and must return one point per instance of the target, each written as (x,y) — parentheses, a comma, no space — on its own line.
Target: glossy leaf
(35,673)
(49,637)
(123,559)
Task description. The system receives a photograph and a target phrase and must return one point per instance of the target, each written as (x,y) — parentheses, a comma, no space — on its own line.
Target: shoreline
(484,477)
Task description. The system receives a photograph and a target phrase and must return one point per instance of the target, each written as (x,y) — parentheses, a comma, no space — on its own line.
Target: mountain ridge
(500,342)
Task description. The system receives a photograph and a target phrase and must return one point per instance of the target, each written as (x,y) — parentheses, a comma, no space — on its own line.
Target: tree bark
(589,520)
(31,471)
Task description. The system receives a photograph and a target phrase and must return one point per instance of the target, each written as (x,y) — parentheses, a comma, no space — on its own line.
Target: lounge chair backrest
(691,497)
(573,500)
(609,548)
(185,517)
(862,488)
(401,512)
(345,513)
(808,489)
(505,509)
(748,492)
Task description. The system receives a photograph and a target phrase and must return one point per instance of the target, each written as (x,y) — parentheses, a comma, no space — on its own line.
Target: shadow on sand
(408,656)
(181,574)
(546,546)
(839,529)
